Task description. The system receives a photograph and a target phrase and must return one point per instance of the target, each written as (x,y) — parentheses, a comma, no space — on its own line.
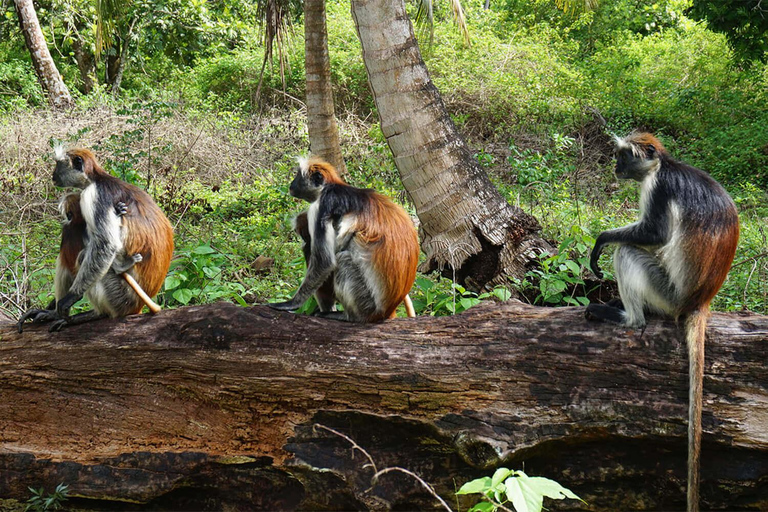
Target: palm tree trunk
(467,227)
(47,73)
(321,121)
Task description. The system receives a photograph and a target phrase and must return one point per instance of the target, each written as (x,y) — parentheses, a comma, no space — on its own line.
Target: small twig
(751,258)
(355,446)
(749,279)
(419,479)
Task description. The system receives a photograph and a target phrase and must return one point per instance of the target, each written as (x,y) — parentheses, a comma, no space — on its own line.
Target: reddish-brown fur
(148,230)
(72,233)
(315,164)
(645,140)
(387,228)
(714,256)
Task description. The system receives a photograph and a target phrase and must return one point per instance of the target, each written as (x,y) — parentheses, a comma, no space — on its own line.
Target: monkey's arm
(104,242)
(646,232)
(322,262)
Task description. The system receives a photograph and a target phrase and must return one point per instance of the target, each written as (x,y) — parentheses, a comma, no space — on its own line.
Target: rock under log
(213,407)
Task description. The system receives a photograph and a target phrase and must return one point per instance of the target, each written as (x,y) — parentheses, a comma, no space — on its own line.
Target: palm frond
(425,19)
(275,17)
(576,6)
(108,12)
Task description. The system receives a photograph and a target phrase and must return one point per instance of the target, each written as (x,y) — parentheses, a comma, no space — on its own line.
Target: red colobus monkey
(672,261)
(362,248)
(112,229)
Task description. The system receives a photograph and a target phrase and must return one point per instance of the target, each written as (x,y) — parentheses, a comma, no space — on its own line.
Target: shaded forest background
(537,90)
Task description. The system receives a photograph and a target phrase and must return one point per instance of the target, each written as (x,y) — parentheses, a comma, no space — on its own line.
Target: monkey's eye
(316,179)
(77,162)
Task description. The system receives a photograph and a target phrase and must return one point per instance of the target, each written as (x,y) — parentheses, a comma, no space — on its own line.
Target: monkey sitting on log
(361,248)
(116,244)
(672,261)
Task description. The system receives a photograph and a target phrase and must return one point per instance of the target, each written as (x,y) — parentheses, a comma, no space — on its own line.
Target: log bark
(213,407)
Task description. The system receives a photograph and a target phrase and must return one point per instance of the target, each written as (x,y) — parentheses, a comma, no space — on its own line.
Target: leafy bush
(508,487)
(18,86)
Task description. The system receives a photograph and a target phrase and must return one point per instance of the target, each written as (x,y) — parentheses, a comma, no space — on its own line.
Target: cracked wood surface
(215,404)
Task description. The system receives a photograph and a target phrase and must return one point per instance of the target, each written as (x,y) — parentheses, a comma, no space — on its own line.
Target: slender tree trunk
(122,60)
(321,120)
(466,225)
(47,73)
(85,63)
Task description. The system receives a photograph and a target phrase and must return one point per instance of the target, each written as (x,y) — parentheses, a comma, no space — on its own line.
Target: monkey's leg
(77,319)
(643,284)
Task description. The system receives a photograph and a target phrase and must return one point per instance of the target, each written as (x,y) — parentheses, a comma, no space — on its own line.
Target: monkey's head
(637,155)
(74,168)
(311,177)
(69,207)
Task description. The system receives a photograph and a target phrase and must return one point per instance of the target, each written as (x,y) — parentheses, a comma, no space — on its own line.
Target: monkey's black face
(632,167)
(306,188)
(66,175)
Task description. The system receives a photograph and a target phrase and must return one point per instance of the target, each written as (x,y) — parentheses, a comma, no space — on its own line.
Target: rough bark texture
(47,73)
(213,407)
(321,118)
(466,225)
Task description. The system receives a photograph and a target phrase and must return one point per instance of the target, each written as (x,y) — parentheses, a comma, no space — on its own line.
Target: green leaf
(521,497)
(183,295)
(548,488)
(499,475)
(502,293)
(203,249)
(479,485)
(573,267)
(424,284)
(483,506)
(172,282)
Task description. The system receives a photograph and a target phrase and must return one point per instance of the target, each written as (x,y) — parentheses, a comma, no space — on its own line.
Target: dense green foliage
(216,149)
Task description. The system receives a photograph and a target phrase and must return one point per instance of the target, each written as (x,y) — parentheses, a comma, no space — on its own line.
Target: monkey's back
(388,231)
(709,219)
(147,232)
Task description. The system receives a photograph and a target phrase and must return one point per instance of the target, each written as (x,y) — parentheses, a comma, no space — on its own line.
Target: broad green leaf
(499,476)
(478,485)
(522,498)
(502,293)
(183,295)
(547,487)
(573,267)
(483,506)
(203,249)
(172,282)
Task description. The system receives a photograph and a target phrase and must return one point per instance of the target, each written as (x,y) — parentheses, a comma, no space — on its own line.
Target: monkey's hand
(63,306)
(121,209)
(38,316)
(288,305)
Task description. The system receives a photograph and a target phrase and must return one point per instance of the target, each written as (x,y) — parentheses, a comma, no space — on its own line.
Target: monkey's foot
(332,315)
(604,313)
(284,306)
(37,316)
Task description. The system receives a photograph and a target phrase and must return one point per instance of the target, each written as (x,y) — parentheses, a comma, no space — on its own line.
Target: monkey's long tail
(409,307)
(695,330)
(152,305)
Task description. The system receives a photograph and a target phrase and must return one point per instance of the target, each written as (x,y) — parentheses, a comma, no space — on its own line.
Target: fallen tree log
(213,407)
